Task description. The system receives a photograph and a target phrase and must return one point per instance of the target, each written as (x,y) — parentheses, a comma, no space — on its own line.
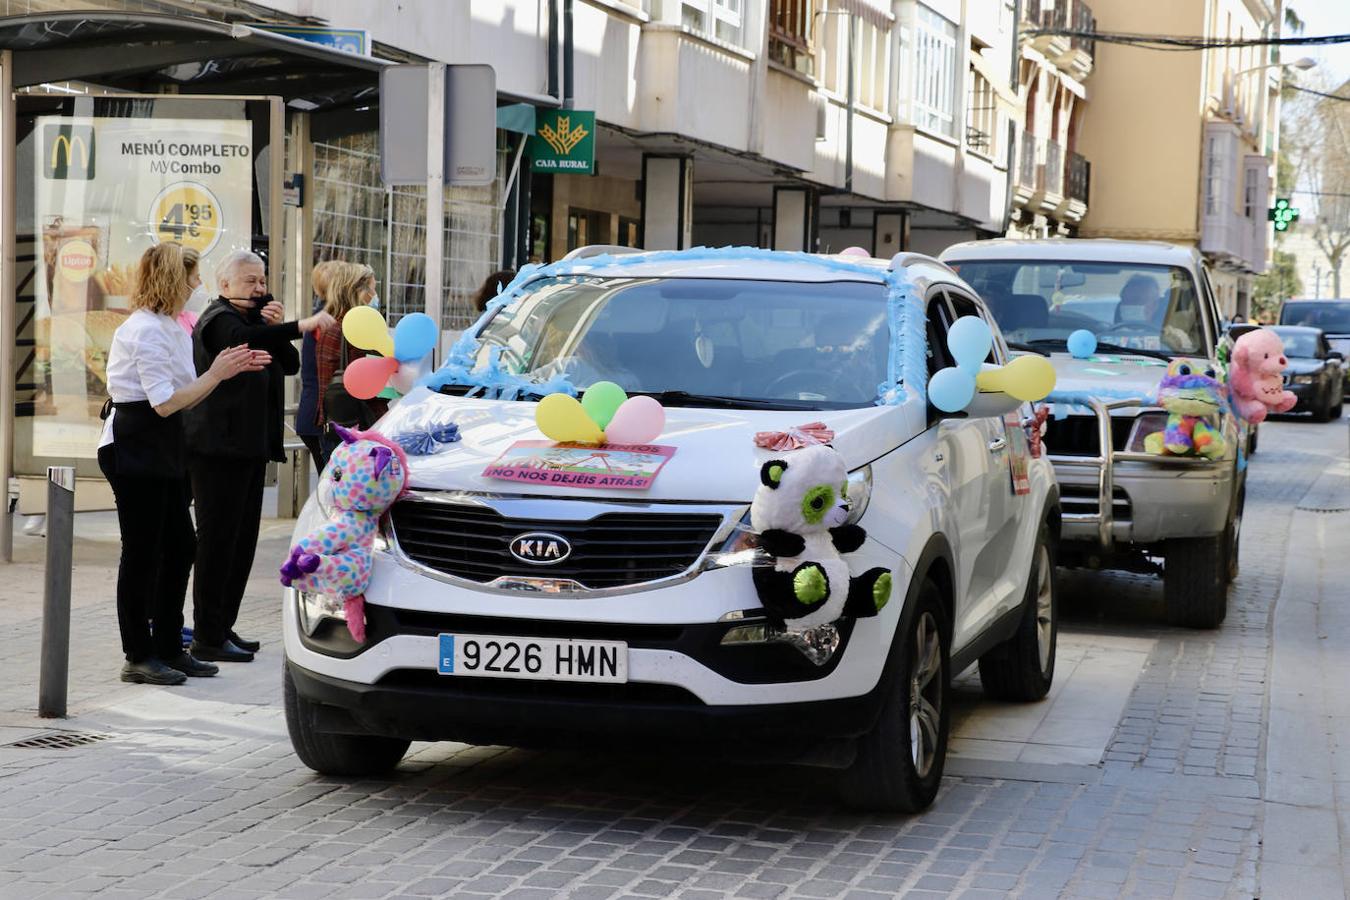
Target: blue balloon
(951,389)
(969,341)
(1082,344)
(414,337)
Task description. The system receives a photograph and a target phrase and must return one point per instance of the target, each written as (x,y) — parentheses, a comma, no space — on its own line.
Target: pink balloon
(365,377)
(638,420)
(855,251)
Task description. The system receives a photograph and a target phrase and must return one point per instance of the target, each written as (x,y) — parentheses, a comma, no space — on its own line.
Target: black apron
(146,444)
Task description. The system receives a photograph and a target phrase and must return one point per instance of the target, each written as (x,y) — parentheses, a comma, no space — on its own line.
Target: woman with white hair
(231,438)
(151,380)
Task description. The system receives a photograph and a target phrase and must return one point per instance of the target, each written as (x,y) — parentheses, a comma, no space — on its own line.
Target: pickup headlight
(1303,379)
(314,608)
(1144,425)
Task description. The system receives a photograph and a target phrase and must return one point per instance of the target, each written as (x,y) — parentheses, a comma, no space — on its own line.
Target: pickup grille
(1081,499)
(610,550)
(1077,435)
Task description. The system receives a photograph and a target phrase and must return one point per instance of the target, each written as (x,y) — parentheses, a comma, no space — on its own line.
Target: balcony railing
(790,34)
(1027,169)
(1066,15)
(1054,168)
(1078,177)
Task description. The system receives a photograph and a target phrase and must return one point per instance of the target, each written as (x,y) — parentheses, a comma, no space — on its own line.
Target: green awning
(518,117)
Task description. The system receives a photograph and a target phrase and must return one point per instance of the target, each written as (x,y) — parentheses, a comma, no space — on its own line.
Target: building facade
(1052,177)
(1185,142)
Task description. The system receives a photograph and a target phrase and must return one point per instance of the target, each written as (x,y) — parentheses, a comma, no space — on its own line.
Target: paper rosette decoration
(605,414)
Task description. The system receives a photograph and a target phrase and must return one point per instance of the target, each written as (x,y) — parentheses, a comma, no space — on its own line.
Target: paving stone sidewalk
(195,793)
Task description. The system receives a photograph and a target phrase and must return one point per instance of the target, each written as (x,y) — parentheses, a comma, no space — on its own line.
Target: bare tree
(1315,134)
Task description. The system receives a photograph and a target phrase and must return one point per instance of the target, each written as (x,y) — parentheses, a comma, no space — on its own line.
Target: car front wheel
(1023,667)
(336,754)
(899,762)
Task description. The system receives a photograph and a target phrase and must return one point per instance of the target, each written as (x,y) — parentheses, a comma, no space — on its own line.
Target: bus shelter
(118,131)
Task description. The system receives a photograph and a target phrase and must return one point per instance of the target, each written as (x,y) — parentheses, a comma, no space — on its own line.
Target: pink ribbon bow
(794,438)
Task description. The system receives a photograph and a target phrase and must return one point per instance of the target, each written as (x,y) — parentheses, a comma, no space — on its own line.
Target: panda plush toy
(800,513)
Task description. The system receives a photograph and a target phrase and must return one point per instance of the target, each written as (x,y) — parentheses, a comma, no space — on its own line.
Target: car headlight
(1144,425)
(314,608)
(859,493)
(1304,379)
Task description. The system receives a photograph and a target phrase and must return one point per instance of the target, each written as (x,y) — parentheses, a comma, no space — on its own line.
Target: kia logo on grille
(540,548)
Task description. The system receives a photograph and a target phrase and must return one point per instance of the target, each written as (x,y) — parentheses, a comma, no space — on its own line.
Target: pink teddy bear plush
(365,475)
(1255,379)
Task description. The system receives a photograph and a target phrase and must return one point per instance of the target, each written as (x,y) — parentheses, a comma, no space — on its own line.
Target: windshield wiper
(1027,348)
(1062,344)
(686,398)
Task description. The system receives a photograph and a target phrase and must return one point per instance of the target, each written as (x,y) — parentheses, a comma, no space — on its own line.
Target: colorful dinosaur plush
(365,475)
(1254,377)
(800,514)
(1193,398)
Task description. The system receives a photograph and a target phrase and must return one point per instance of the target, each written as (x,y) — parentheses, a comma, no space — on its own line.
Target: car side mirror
(993,403)
(1335,354)
(1238,329)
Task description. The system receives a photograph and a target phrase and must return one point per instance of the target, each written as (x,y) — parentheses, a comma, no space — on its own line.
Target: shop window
(630,232)
(933,90)
(585,227)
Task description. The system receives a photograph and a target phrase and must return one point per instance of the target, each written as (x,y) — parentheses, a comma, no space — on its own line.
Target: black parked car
(1332,316)
(1315,371)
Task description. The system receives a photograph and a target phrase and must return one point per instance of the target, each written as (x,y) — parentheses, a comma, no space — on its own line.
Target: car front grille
(1081,499)
(1077,435)
(610,550)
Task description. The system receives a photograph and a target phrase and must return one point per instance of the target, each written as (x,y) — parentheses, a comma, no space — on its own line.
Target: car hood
(715,457)
(1304,366)
(1109,376)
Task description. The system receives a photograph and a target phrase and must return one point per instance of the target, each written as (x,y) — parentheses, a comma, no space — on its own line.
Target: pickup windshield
(702,341)
(1142,307)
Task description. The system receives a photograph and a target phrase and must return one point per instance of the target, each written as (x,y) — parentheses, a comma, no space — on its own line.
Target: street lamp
(1303,64)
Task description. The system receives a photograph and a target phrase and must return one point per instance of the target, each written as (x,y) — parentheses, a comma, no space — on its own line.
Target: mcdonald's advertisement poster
(106,190)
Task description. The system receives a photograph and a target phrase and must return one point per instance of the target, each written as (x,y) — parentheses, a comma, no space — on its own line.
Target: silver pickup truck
(1124,508)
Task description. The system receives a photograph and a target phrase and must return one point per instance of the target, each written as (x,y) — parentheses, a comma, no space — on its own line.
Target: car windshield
(780,344)
(1332,316)
(1298,343)
(1143,307)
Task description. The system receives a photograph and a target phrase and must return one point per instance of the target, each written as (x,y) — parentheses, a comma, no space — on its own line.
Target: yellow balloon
(1027,378)
(365,328)
(562,419)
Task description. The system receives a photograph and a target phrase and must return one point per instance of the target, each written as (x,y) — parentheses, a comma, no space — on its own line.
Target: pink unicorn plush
(1257,386)
(365,475)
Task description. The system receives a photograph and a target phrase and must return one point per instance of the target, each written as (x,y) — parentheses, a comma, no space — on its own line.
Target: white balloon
(406,376)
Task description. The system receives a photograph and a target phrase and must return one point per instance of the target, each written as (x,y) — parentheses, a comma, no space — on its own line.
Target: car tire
(1251,440)
(1323,413)
(1335,412)
(1022,668)
(899,763)
(1195,591)
(336,754)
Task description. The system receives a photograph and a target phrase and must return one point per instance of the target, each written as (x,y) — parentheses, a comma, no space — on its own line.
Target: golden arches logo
(71,151)
(564,138)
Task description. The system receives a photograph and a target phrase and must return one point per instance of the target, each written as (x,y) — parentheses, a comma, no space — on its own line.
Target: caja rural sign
(564,142)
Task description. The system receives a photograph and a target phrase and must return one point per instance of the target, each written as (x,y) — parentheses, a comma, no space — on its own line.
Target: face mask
(375,302)
(197,300)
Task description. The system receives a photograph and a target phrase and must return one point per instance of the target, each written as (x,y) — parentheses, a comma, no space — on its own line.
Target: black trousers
(314,444)
(157,553)
(228,493)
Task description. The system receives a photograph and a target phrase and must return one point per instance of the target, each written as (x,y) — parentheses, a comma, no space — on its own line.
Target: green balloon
(601,401)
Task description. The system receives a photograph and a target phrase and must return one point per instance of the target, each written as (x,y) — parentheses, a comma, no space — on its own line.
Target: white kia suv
(538,615)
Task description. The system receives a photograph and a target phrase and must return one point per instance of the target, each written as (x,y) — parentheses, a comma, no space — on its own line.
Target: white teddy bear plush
(800,513)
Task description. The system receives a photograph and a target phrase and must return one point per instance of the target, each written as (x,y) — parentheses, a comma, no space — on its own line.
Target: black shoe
(226,652)
(242,644)
(190,665)
(151,671)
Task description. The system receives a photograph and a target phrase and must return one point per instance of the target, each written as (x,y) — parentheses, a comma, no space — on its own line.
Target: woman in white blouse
(151,379)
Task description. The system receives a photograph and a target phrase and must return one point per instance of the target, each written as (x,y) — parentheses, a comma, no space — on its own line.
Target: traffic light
(1283,215)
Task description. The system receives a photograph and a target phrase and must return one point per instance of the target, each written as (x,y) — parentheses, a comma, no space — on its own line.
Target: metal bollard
(55,671)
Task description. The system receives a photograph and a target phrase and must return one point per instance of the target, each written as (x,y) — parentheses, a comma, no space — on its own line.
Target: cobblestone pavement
(195,792)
